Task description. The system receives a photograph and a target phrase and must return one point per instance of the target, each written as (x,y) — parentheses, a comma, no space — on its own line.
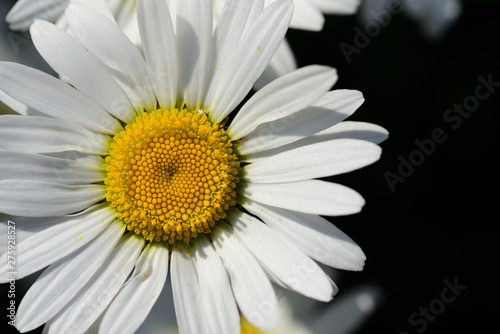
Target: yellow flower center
(171,175)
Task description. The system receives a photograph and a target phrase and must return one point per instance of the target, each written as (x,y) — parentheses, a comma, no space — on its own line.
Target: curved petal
(23,166)
(78,67)
(314,235)
(252,289)
(160,50)
(332,108)
(67,234)
(106,41)
(312,196)
(233,80)
(307,16)
(134,301)
(282,63)
(217,299)
(286,264)
(41,199)
(313,161)
(344,130)
(55,98)
(186,291)
(282,97)
(43,134)
(83,310)
(61,281)
(193,28)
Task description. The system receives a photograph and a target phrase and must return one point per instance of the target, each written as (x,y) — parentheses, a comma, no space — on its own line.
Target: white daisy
(128,167)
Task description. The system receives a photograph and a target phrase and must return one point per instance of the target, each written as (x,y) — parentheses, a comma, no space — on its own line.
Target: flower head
(129,167)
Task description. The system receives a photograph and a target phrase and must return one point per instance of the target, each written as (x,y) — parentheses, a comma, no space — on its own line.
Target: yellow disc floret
(171,175)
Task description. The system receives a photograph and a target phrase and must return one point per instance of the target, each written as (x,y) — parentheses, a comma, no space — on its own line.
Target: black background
(440,223)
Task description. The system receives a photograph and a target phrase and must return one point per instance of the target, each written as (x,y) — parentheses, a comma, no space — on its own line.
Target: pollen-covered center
(171,175)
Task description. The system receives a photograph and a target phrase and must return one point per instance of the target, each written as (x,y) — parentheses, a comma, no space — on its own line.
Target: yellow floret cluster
(171,175)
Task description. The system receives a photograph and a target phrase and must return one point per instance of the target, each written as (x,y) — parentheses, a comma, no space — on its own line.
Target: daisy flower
(132,166)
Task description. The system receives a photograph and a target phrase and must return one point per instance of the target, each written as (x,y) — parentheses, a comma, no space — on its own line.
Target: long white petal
(55,98)
(252,289)
(92,300)
(105,40)
(160,50)
(41,199)
(217,299)
(23,166)
(53,243)
(236,15)
(61,281)
(193,28)
(343,130)
(312,196)
(307,16)
(186,291)
(282,97)
(330,109)
(78,67)
(251,56)
(282,63)
(134,301)
(287,265)
(314,235)
(43,134)
(313,161)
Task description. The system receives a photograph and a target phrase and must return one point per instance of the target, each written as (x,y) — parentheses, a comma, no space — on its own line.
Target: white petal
(344,130)
(314,235)
(193,28)
(252,289)
(282,63)
(331,109)
(287,265)
(217,299)
(134,301)
(337,6)
(53,243)
(312,196)
(79,68)
(307,16)
(251,56)
(236,16)
(282,97)
(55,98)
(323,159)
(108,43)
(41,199)
(24,12)
(77,316)
(22,166)
(61,281)
(160,50)
(186,291)
(43,134)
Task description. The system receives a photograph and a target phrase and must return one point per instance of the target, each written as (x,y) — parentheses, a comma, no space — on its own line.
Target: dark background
(439,224)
